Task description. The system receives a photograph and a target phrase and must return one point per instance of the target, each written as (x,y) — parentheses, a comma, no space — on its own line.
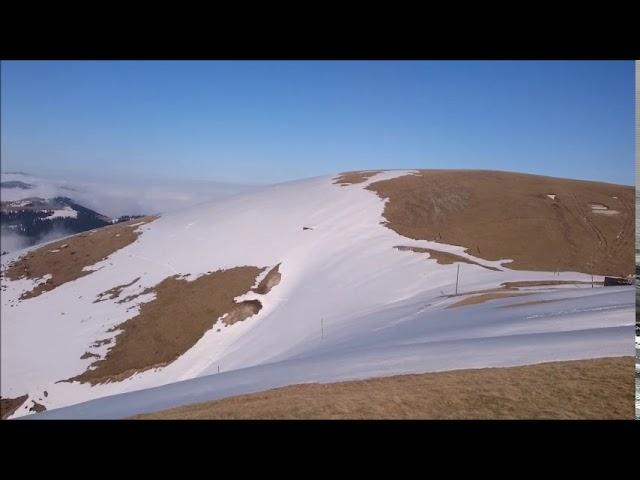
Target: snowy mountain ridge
(348,304)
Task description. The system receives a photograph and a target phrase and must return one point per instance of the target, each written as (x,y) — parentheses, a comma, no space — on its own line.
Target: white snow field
(349,306)
(66,212)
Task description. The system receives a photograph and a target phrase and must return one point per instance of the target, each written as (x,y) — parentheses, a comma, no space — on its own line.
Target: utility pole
(457,275)
(218,368)
(322,327)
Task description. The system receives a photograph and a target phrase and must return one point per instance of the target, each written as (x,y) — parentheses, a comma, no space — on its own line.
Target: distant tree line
(126,218)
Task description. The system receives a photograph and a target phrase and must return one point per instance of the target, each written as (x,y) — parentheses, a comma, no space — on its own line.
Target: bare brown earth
(37,407)
(485,290)
(114,292)
(173,322)
(65,259)
(269,281)
(242,311)
(584,389)
(484,297)
(133,296)
(503,215)
(515,286)
(509,289)
(350,178)
(445,258)
(9,405)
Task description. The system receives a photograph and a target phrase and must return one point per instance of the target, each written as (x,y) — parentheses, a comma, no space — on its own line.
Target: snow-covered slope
(348,305)
(408,339)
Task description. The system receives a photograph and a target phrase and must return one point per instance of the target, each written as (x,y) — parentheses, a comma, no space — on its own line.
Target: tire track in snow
(162,264)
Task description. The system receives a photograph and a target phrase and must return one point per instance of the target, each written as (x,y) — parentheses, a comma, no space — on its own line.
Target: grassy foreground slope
(583,389)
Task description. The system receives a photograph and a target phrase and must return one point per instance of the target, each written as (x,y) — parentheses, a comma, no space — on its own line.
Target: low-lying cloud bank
(124,198)
(11,241)
(112,199)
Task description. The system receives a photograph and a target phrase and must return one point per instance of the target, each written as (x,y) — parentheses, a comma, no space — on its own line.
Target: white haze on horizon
(113,199)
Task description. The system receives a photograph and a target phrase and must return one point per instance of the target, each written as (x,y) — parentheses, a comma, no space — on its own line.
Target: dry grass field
(584,389)
(65,259)
(166,327)
(542,223)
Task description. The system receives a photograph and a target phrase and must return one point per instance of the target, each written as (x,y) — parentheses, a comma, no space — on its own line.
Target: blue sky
(274,121)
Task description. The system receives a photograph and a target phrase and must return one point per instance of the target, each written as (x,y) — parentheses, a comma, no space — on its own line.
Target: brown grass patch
(542,283)
(8,406)
(65,259)
(168,326)
(498,215)
(445,258)
(535,302)
(485,297)
(269,281)
(583,389)
(114,292)
(350,178)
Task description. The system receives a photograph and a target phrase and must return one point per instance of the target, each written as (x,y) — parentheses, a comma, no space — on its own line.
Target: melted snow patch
(602,209)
